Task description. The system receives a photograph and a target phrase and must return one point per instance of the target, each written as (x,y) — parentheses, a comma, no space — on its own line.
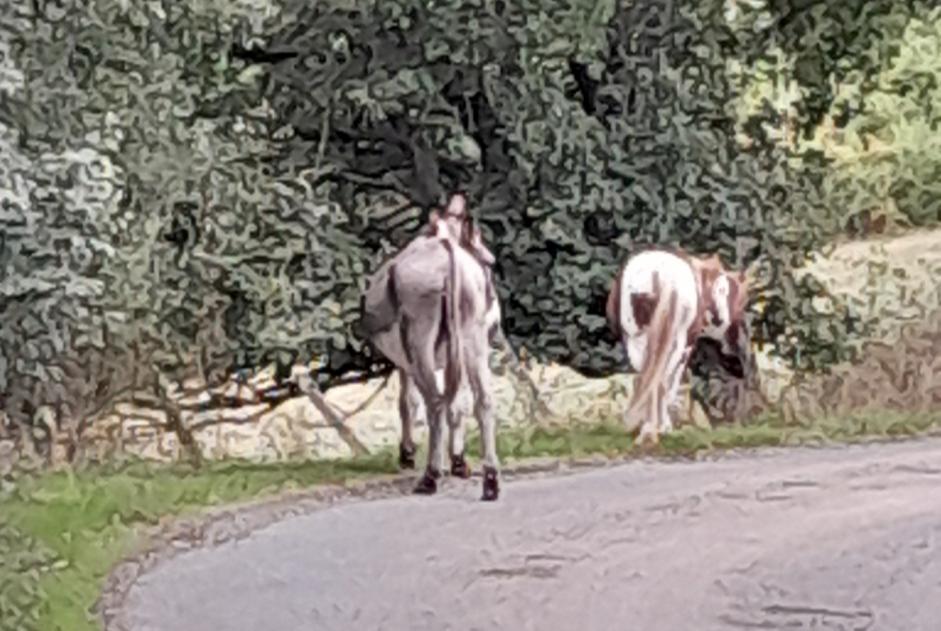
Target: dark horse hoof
(428,484)
(459,468)
(406,457)
(491,485)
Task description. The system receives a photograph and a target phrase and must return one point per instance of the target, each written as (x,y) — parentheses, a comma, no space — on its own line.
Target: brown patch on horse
(644,304)
(468,231)
(707,271)
(735,302)
(731,334)
(738,302)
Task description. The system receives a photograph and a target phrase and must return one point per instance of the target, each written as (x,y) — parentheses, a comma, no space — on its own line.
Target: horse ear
(457,205)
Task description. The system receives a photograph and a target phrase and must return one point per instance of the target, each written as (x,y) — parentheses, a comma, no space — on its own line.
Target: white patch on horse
(645,276)
(659,304)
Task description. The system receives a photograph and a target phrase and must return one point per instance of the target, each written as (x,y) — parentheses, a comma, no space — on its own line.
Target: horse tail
(661,338)
(452,372)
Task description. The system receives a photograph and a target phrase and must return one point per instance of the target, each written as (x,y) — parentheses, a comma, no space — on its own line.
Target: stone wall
(894,278)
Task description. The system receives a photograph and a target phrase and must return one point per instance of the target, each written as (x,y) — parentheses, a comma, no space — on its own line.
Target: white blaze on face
(720,298)
(720,293)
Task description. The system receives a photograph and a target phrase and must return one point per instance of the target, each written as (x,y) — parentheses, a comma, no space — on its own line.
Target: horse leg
(409,399)
(435,407)
(674,372)
(636,348)
(479,378)
(649,430)
(459,466)
(644,410)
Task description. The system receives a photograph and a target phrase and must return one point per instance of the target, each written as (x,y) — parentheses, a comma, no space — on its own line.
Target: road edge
(217,526)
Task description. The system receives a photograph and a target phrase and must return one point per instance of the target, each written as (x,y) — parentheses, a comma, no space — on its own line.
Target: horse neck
(706,276)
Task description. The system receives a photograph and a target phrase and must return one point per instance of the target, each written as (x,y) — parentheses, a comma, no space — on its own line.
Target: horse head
(726,299)
(459,225)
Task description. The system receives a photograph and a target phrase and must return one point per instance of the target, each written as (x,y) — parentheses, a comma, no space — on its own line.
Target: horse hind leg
(674,375)
(479,377)
(456,448)
(649,430)
(646,412)
(635,349)
(435,409)
(409,402)
(459,467)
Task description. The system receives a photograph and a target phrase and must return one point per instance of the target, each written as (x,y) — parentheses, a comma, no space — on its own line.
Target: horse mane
(466,229)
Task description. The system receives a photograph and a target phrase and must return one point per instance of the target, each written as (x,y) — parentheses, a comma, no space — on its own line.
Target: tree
(580,132)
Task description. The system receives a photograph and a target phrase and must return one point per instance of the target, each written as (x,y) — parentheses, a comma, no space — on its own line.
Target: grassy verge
(61,533)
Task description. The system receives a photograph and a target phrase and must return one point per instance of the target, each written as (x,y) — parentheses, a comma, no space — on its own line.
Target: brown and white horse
(660,303)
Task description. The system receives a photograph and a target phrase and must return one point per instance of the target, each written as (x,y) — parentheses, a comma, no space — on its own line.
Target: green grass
(60,533)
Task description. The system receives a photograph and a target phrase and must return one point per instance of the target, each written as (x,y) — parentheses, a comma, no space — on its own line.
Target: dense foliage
(580,130)
(197,186)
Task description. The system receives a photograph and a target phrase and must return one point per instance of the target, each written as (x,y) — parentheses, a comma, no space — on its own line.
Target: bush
(191,188)
(888,156)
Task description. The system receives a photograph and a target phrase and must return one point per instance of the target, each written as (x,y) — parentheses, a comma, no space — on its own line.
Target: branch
(254,417)
(175,424)
(388,182)
(260,56)
(539,406)
(362,406)
(316,397)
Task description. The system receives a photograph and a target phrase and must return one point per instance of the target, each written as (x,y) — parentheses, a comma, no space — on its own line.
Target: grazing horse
(660,303)
(426,310)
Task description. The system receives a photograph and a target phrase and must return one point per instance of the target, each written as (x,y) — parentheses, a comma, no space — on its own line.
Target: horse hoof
(427,485)
(459,468)
(647,442)
(406,457)
(491,485)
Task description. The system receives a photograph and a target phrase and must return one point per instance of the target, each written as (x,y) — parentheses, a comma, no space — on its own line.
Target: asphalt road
(835,538)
